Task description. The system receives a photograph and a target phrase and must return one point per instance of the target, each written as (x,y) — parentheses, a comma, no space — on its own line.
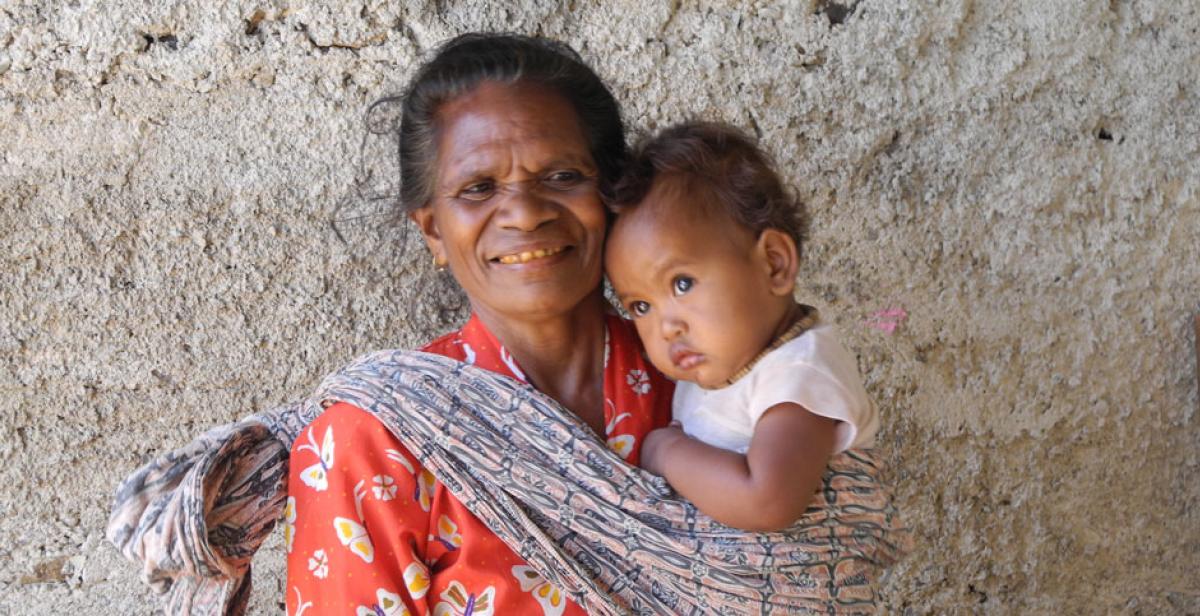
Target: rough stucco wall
(1021,178)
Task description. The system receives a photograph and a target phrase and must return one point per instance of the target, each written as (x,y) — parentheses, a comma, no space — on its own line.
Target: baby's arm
(766,489)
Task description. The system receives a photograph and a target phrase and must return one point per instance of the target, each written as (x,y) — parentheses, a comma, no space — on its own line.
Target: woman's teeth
(529,255)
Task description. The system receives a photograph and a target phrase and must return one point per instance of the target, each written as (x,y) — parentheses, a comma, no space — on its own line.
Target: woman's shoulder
(343,418)
(449,344)
(349,418)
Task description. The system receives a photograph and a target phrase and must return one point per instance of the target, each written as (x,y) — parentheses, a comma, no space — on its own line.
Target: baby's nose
(673,327)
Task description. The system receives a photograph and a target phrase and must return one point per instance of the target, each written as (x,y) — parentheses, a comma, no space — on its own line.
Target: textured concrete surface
(183,244)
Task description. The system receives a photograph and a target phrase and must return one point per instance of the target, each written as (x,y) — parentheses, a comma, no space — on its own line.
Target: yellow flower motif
(387,603)
(316,476)
(352,533)
(354,536)
(448,533)
(425,485)
(416,578)
(289,523)
(622,444)
(456,601)
(547,595)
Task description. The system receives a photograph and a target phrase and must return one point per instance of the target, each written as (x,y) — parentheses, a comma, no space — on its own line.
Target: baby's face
(697,289)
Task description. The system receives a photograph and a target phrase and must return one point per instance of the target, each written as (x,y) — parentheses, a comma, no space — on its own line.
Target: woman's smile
(525,256)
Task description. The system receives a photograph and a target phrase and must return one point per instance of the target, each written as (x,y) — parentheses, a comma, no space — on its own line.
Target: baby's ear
(781,259)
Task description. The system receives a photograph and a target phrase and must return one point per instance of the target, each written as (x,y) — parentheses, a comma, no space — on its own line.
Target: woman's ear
(781,260)
(423,218)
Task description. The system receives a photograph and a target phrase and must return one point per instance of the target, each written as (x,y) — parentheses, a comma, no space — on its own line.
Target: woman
(506,145)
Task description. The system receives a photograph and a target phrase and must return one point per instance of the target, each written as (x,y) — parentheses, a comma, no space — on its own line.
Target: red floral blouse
(369,532)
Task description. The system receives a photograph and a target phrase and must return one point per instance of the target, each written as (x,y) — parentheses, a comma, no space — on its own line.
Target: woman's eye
(477,191)
(563,179)
(639,308)
(682,284)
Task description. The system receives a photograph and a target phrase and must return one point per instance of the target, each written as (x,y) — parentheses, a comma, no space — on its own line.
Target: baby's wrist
(658,441)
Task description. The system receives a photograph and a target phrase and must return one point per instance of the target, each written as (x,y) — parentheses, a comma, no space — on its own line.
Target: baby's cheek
(657,352)
(643,332)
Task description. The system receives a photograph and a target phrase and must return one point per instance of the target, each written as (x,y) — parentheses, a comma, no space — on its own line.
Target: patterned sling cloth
(611,536)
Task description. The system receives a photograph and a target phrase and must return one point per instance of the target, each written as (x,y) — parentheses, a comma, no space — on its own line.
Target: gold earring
(439,263)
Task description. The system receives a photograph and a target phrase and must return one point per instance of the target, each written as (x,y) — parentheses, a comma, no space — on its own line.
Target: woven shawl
(613,537)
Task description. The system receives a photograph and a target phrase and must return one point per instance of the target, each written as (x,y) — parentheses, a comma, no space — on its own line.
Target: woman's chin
(543,297)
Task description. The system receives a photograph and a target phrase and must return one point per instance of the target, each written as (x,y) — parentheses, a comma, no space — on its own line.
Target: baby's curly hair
(721,163)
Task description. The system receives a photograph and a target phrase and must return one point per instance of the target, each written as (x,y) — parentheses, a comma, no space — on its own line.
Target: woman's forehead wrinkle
(466,153)
(498,156)
(479,161)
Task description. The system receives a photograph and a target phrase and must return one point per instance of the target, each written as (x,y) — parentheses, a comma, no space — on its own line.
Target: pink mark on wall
(887,320)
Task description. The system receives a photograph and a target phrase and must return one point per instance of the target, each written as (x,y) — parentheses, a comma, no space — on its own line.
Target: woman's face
(515,209)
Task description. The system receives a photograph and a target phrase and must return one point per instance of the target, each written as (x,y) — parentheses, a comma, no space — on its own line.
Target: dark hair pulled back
(463,63)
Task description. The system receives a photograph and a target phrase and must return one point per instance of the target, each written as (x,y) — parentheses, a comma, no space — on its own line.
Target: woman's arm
(357,520)
(767,489)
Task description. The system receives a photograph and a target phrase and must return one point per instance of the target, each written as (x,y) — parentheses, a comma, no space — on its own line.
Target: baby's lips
(684,357)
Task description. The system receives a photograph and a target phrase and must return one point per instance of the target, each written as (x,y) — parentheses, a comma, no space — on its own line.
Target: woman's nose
(523,209)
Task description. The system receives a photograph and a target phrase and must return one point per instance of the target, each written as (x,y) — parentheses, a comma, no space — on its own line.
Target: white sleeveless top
(814,370)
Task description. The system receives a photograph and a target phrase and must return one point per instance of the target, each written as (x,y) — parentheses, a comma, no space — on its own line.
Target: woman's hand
(655,447)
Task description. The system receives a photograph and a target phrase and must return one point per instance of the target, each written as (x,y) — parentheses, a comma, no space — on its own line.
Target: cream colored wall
(1021,178)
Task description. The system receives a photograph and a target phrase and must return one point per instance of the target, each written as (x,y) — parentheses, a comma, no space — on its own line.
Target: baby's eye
(478,191)
(682,284)
(563,180)
(639,308)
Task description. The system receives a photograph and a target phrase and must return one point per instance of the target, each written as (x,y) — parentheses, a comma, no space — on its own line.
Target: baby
(703,255)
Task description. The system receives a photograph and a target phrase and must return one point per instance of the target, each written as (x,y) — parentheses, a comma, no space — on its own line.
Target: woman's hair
(720,165)
(462,63)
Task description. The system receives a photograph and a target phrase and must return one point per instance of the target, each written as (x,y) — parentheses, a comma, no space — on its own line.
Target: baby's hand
(654,448)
